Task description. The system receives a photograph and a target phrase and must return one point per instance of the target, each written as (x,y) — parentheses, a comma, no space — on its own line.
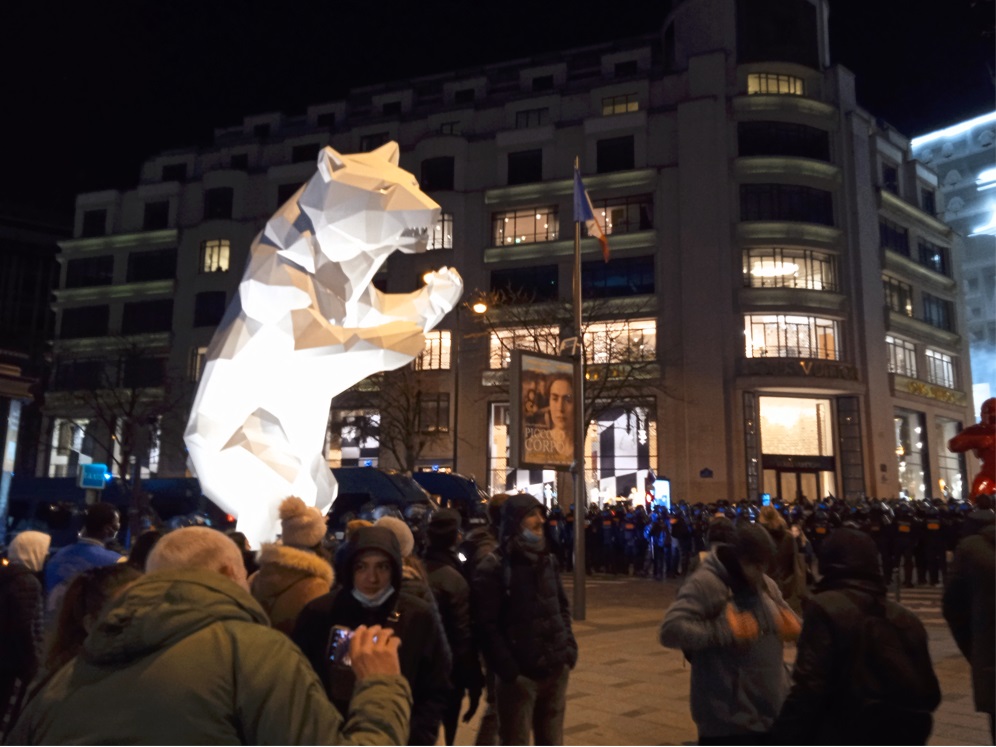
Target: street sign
(92,476)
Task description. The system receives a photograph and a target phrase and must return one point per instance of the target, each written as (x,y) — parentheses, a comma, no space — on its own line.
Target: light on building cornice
(986,180)
(952,131)
(989,228)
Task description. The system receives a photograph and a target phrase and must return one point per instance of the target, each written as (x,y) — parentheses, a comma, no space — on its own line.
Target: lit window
(504,341)
(436,354)
(625,214)
(902,356)
(940,369)
(789,336)
(441,236)
(772,83)
(898,296)
(618,342)
(621,104)
(215,255)
(773,267)
(525,226)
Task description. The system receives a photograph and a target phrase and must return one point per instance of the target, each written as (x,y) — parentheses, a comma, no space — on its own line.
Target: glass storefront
(797,445)
(911,454)
(951,480)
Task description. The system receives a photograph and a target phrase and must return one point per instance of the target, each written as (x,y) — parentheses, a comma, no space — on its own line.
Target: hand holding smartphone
(374,651)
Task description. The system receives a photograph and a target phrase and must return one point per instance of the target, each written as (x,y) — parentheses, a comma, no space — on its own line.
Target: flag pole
(580,498)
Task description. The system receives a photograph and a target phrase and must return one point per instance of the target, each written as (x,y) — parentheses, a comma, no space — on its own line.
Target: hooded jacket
(736,689)
(187,657)
(520,611)
(422,654)
(820,708)
(288,578)
(970,610)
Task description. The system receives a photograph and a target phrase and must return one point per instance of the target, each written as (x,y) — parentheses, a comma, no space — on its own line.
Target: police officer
(934,542)
(906,538)
(658,533)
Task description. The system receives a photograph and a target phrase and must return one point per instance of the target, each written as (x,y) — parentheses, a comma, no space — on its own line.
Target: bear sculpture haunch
(307,324)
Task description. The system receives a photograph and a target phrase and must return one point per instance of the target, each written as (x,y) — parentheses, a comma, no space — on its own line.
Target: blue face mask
(531,540)
(375,601)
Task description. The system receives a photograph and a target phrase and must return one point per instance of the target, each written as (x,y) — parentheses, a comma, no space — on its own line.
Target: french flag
(584,212)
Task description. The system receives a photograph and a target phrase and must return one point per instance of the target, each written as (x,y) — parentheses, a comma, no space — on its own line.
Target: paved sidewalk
(628,690)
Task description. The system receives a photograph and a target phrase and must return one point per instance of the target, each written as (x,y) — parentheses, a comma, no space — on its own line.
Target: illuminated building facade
(964,157)
(781,306)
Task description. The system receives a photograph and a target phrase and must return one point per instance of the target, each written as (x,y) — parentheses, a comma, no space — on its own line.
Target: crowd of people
(382,637)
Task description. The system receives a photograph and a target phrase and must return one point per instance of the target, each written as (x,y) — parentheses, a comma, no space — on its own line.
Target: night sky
(92,89)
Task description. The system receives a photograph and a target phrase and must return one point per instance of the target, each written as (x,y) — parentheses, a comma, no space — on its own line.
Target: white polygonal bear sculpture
(307,324)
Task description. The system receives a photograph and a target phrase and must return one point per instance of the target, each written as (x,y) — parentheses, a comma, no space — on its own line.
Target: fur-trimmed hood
(278,562)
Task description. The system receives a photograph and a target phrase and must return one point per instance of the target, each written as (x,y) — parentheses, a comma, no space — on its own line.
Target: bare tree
(122,401)
(408,419)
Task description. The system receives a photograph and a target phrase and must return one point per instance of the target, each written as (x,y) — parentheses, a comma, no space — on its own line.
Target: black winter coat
(970,609)
(21,623)
(520,610)
(452,594)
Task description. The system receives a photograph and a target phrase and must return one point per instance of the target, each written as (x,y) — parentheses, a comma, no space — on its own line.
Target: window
(391,108)
(159,264)
(209,308)
(784,336)
(902,356)
(937,312)
(525,226)
(625,69)
(928,201)
(783,139)
(215,255)
(625,214)
(285,192)
(625,276)
(71,447)
(325,119)
(140,373)
(890,178)
(156,216)
(441,236)
(94,223)
(239,162)
(893,236)
(521,285)
(218,203)
(435,355)
(525,166)
(614,154)
(90,271)
(933,256)
(911,453)
(261,131)
(142,317)
(373,140)
(898,296)
(531,118)
(304,153)
(785,202)
(940,368)
(197,361)
(620,342)
(434,412)
(80,374)
(774,267)
(777,84)
(175,172)
(621,104)
(504,341)
(84,321)
(543,83)
(450,128)
(464,96)
(437,173)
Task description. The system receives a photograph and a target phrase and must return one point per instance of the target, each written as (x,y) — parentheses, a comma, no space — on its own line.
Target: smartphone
(339,640)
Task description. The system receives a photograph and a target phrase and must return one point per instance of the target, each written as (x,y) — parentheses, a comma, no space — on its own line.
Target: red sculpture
(980,439)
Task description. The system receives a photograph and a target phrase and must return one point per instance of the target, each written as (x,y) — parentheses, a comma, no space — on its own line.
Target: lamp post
(456,344)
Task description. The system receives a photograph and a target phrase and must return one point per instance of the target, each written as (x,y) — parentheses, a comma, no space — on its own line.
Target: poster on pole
(542,410)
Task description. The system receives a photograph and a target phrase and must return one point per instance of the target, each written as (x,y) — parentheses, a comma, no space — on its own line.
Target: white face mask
(376,600)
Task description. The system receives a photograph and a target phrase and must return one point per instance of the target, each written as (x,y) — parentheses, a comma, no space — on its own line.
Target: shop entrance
(797,448)
(790,485)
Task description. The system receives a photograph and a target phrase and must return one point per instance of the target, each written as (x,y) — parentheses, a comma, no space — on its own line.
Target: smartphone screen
(339,639)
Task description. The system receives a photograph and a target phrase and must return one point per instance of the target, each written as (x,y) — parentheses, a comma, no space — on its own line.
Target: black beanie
(444,527)
(753,545)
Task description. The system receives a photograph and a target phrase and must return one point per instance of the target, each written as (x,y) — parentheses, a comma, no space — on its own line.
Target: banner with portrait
(542,410)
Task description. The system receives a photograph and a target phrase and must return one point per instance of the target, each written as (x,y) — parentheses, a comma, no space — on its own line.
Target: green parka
(188,657)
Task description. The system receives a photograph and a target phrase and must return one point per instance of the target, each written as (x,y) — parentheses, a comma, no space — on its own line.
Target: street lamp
(479,307)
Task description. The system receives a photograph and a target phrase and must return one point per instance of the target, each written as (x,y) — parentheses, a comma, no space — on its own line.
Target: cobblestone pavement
(628,690)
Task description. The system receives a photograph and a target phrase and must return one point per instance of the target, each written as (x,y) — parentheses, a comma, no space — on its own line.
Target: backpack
(891,678)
